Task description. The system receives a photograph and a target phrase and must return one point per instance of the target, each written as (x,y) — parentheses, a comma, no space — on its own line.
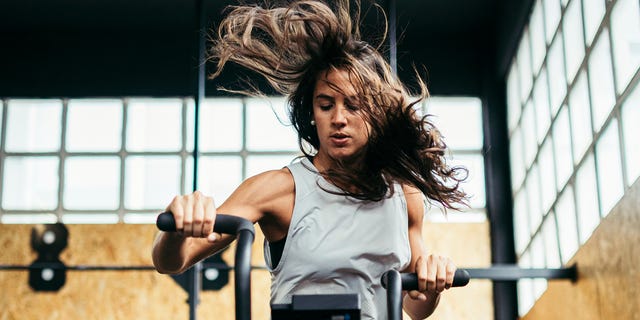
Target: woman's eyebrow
(324,96)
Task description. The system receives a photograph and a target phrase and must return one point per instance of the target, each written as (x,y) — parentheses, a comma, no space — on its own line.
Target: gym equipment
(311,307)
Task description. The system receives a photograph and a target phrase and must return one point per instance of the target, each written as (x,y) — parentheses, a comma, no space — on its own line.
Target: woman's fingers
(194,215)
(451,272)
(209,220)
(435,273)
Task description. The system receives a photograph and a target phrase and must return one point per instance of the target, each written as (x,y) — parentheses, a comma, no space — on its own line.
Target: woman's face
(342,131)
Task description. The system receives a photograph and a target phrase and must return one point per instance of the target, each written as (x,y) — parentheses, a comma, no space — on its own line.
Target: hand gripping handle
(245,235)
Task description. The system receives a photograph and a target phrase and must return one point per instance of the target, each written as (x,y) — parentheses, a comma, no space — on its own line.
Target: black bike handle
(410,280)
(224,223)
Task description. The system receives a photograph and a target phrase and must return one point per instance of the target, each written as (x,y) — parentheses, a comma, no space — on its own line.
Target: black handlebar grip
(166,222)
(410,280)
(224,223)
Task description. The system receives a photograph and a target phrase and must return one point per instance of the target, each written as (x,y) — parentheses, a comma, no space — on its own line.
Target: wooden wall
(149,295)
(608,271)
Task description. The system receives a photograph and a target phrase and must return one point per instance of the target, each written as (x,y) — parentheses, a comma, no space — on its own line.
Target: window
(464,137)
(631,130)
(574,40)
(625,35)
(610,183)
(578,126)
(123,160)
(601,81)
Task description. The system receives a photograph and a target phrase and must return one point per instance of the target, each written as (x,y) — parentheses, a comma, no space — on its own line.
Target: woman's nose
(339,116)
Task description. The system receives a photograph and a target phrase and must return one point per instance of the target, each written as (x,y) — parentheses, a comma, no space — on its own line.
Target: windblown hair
(293,45)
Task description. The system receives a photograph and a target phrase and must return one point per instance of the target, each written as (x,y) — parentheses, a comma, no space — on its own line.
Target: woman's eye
(325,108)
(353,108)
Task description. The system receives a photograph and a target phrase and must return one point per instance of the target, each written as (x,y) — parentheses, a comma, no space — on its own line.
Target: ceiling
(141,47)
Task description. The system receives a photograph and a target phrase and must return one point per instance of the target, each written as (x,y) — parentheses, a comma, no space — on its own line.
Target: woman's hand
(435,274)
(194,215)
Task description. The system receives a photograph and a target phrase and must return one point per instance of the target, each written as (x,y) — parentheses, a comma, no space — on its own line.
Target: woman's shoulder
(272,181)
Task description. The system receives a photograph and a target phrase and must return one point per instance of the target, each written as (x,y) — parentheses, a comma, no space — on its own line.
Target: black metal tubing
(395,282)
(45,265)
(514,273)
(245,236)
(242,274)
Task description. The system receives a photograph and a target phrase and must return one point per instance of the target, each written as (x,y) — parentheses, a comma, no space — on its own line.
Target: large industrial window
(573,105)
(122,160)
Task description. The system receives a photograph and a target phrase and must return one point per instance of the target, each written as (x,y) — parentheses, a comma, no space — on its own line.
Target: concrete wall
(608,271)
(149,295)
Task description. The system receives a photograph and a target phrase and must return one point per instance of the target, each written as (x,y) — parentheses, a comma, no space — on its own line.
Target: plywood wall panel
(609,271)
(149,295)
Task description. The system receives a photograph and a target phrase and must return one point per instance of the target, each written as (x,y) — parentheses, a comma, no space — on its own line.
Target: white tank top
(337,244)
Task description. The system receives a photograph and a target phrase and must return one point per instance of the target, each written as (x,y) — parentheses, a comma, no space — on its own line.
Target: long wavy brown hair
(291,45)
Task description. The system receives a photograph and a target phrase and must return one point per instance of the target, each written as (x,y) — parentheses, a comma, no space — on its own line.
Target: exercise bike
(310,307)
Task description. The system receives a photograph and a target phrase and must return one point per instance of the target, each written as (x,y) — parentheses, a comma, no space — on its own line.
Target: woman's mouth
(339,139)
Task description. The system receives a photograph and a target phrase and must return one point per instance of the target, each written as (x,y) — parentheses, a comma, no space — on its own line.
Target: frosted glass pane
(593,13)
(538,43)
(268,125)
(550,236)
(94,125)
(221,125)
(33,125)
(625,31)
(557,79)
(260,164)
(537,252)
(517,159)
(521,221)
(603,96)
(474,185)
(547,176)
(218,176)
(580,113)
(513,97)
(567,225)
(609,166)
(551,17)
(140,218)
(562,148)
(587,203)
(29,218)
(93,218)
(154,125)
(574,40)
(529,133)
(524,65)
(458,132)
(541,101)
(526,298)
(92,183)
(631,131)
(151,182)
(534,198)
(30,183)
(538,261)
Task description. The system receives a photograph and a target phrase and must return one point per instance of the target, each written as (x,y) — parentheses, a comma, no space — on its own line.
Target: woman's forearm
(169,252)
(418,309)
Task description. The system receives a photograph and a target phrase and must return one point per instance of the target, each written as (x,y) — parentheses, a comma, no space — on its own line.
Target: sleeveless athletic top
(337,244)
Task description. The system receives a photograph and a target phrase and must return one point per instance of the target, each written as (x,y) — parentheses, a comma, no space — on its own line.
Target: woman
(353,207)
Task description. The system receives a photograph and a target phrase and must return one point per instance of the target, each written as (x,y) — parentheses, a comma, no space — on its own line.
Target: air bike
(311,307)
